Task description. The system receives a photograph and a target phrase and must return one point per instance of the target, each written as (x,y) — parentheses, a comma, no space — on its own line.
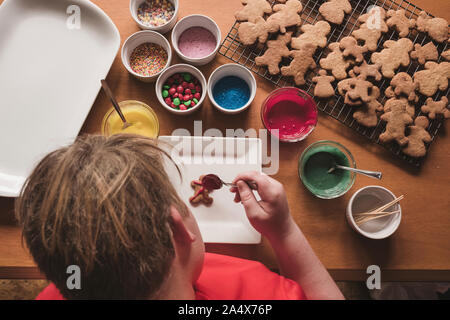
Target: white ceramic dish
(367,199)
(196,20)
(139,38)
(232,69)
(224,221)
(177,68)
(50,76)
(134,5)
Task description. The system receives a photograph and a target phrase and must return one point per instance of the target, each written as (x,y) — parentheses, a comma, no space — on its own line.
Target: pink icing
(197,42)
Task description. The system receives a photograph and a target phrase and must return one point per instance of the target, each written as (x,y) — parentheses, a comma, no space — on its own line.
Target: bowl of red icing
(196,39)
(289,113)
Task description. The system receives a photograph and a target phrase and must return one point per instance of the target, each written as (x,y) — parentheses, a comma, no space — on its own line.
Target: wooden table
(419,250)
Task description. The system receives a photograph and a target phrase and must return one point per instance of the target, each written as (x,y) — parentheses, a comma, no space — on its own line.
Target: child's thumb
(247,198)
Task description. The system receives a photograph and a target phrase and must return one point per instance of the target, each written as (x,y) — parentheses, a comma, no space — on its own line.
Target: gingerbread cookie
(401,23)
(437,28)
(252,10)
(301,63)
(285,15)
(423,53)
(396,118)
(249,32)
(315,34)
(402,83)
(334,10)
(201,194)
(336,62)
(276,50)
(433,78)
(418,136)
(366,71)
(356,91)
(367,113)
(395,54)
(350,47)
(373,27)
(434,108)
(323,88)
(446,55)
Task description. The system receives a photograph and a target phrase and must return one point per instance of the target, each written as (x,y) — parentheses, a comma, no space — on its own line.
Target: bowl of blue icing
(231,88)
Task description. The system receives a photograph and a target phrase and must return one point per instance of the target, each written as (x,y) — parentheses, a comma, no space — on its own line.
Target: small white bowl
(134,6)
(196,20)
(177,68)
(139,38)
(232,69)
(367,199)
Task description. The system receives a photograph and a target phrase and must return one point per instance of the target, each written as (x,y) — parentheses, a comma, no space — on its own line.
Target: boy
(107,206)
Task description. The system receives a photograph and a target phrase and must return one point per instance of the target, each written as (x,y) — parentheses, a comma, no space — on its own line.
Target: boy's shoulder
(230,278)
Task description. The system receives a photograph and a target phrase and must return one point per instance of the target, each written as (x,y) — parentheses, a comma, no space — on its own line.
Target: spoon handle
(251,184)
(372,174)
(110,95)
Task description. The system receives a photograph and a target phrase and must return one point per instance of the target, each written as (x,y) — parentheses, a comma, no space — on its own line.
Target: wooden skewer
(364,217)
(364,220)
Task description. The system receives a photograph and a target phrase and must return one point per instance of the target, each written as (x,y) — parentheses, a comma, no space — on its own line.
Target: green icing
(315,168)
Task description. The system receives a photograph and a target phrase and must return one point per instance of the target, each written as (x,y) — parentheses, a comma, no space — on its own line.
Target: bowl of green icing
(314,166)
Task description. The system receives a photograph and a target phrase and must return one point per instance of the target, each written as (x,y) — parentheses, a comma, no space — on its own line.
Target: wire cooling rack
(335,107)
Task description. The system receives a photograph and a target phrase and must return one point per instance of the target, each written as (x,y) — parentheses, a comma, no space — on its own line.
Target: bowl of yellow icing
(142,118)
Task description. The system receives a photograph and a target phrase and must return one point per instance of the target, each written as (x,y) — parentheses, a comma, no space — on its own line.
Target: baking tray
(335,107)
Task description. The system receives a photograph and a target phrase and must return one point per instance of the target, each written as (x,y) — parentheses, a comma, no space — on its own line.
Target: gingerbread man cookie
(276,50)
(350,47)
(285,15)
(323,88)
(334,10)
(437,28)
(315,34)
(301,63)
(356,91)
(366,71)
(397,118)
(373,27)
(201,194)
(367,113)
(434,108)
(401,23)
(402,83)
(433,78)
(249,32)
(418,136)
(394,55)
(252,10)
(425,53)
(336,62)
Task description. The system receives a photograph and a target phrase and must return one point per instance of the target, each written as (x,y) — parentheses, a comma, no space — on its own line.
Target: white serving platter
(224,221)
(50,74)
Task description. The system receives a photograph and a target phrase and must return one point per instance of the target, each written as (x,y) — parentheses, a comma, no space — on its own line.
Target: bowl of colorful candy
(231,88)
(156,15)
(145,54)
(181,89)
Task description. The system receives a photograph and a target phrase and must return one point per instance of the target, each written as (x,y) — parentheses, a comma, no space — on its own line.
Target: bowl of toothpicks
(374,212)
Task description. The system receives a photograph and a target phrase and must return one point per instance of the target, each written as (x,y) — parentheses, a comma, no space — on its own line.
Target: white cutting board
(224,221)
(49,78)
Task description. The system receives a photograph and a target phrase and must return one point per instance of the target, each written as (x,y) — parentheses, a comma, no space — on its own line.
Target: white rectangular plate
(49,78)
(224,221)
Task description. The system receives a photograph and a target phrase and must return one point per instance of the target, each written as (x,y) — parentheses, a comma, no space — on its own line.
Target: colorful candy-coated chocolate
(197,95)
(165,93)
(172,91)
(180,89)
(183,90)
(176,101)
(195,100)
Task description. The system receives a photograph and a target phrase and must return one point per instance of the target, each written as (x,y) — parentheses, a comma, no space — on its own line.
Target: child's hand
(270,216)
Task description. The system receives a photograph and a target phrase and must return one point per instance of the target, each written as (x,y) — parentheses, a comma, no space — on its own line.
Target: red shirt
(229,278)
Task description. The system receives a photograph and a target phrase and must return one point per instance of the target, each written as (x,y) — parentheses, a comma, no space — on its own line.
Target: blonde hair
(102,204)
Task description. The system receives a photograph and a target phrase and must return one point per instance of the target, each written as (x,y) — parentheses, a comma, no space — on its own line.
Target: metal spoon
(115,104)
(213,182)
(372,174)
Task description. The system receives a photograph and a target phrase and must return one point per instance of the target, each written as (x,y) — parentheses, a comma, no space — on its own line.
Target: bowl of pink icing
(196,39)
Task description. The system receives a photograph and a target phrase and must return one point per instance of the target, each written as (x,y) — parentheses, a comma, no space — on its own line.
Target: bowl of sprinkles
(156,15)
(145,54)
(196,39)
(181,89)
(231,88)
